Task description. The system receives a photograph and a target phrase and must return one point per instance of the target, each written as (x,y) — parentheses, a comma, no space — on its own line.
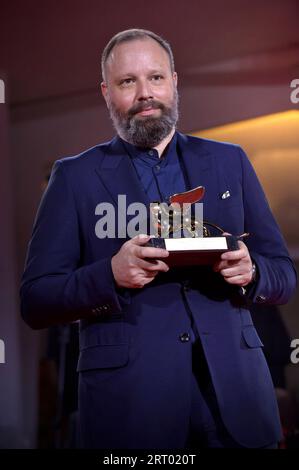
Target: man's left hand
(236,266)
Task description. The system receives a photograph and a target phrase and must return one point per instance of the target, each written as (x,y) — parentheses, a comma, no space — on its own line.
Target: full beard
(147,131)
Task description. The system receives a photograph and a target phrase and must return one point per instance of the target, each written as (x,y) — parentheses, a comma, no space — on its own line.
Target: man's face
(141,92)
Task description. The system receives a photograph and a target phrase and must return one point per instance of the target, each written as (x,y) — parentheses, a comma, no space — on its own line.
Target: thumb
(141,239)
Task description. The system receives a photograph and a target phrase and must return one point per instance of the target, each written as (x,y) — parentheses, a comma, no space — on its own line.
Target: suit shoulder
(86,158)
(213,146)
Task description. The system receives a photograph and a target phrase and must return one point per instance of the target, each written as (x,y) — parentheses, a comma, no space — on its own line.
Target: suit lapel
(199,164)
(119,176)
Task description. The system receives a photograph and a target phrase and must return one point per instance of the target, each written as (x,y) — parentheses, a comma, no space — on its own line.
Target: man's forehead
(136,46)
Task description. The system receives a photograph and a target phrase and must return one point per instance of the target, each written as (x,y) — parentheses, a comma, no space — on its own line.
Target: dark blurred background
(235,61)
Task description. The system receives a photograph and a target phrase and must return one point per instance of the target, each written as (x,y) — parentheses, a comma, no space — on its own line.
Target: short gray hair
(131,35)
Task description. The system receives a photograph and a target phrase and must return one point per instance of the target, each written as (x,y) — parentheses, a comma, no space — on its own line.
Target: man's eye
(127,81)
(157,78)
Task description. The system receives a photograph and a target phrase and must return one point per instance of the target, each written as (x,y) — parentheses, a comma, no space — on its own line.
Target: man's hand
(236,266)
(131,265)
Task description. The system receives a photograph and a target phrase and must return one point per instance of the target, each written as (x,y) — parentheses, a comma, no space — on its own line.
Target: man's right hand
(135,265)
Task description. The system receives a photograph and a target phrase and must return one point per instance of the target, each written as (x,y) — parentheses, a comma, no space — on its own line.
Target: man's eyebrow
(155,71)
(124,76)
(134,75)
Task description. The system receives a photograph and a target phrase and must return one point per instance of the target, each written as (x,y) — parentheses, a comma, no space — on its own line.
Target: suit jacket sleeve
(277,276)
(55,288)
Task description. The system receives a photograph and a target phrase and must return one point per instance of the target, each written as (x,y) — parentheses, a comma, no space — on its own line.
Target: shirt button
(151,153)
(184,337)
(261,298)
(186,286)
(157,167)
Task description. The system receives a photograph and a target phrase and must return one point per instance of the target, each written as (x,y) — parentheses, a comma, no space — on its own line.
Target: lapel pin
(225,195)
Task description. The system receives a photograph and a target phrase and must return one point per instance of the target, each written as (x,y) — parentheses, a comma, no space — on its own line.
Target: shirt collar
(150,154)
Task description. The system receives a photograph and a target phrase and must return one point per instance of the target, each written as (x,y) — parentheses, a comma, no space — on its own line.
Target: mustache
(142,106)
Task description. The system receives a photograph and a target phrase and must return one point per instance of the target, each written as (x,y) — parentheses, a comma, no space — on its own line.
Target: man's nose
(144,91)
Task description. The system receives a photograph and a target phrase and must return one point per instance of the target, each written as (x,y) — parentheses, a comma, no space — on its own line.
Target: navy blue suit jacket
(135,373)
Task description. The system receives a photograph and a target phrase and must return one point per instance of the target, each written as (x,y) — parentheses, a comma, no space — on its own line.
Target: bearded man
(169,358)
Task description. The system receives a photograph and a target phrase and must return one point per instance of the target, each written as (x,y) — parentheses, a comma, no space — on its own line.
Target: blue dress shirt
(162,176)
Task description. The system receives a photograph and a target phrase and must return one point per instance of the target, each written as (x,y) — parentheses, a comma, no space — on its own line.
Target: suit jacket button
(261,298)
(184,337)
(97,311)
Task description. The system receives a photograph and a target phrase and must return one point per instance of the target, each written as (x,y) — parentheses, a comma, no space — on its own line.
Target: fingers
(152,266)
(231,267)
(142,278)
(225,264)
(236,271)
(135,265)
(240,280)
(146,251)
(235,266)
(240,275)
(150,274)
(151,252)
(236,255)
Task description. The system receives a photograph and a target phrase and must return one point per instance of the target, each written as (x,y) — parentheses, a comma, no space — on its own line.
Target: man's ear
(175,78)
(104,90)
